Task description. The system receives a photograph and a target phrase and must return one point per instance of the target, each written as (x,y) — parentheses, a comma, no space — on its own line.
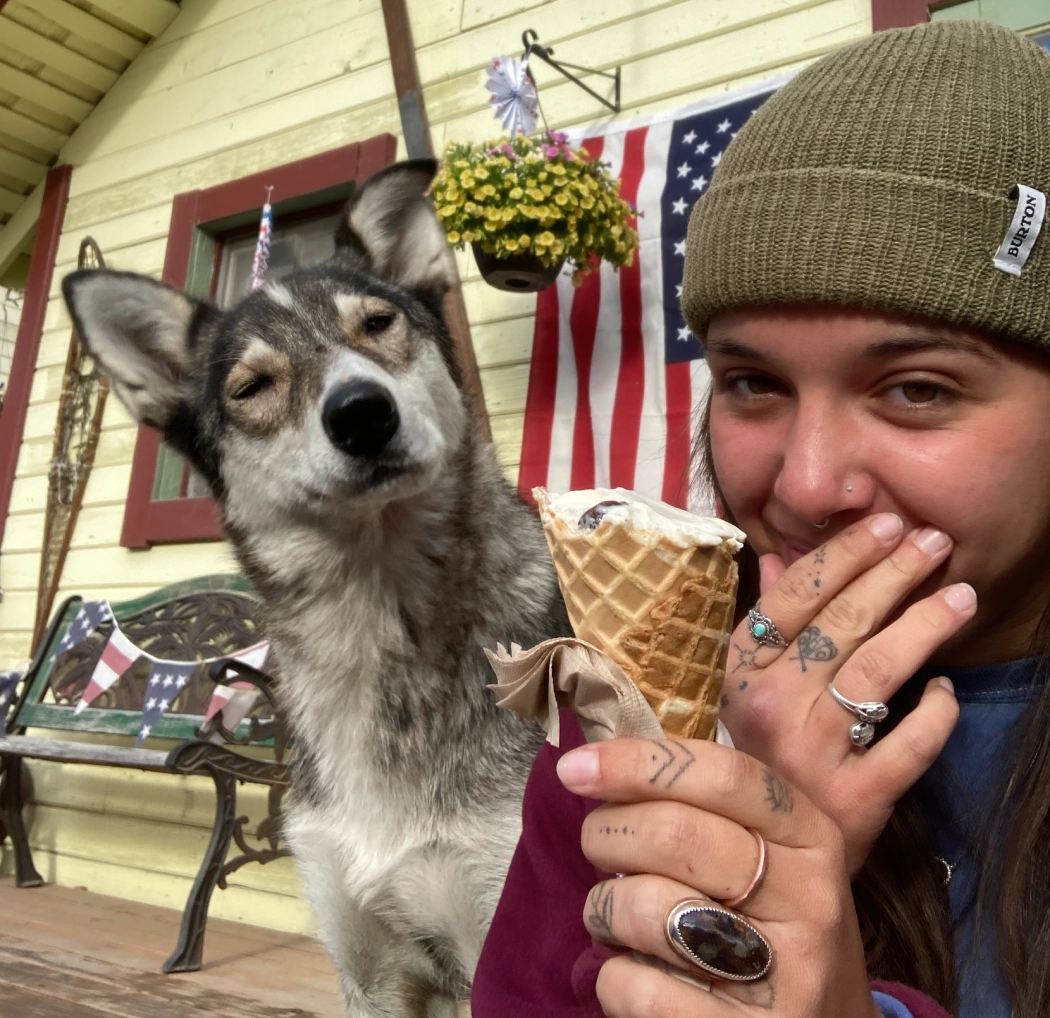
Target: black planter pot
(520,273)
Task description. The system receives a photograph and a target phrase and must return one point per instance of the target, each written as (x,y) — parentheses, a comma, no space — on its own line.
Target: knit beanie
(885,176)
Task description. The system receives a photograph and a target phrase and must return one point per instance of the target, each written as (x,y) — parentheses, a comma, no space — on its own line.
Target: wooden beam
(32,132)
(27,344)
(57,57)
(898,13)
(415,125)
(19,228)
(42,94)
(84,25)
(17,166)
(149,16)
(10,202)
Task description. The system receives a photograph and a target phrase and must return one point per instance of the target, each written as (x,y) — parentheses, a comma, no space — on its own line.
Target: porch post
(898,13)
(30,329)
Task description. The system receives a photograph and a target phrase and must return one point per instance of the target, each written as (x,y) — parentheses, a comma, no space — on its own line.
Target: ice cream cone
(659,603)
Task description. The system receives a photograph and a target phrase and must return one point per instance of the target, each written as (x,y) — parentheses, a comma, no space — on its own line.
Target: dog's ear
(141,333)
(391,222)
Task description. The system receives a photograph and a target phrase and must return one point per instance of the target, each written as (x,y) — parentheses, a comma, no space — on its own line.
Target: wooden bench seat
(208,619)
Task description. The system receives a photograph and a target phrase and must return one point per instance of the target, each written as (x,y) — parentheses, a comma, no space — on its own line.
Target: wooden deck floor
(66,953)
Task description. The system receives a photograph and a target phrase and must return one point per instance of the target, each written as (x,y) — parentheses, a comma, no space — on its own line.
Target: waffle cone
(662,612)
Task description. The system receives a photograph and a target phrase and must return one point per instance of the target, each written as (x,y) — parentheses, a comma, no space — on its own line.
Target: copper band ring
(760,872)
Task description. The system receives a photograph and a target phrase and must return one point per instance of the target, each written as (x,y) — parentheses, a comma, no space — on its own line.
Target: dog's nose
(360,418)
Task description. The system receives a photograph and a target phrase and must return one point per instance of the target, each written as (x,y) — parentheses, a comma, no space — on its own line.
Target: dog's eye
(252,387)
(375,324)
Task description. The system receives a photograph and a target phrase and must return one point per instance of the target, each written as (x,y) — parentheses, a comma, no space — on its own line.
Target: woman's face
(821,413)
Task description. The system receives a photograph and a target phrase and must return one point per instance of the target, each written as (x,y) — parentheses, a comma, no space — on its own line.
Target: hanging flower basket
(519,273)
(526,206)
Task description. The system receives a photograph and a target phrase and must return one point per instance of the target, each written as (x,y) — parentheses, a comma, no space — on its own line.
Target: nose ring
(821,526)
(849,487)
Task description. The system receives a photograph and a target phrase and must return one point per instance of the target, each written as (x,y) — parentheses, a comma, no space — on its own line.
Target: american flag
(91,615)
(237,699)
(166,680)
(8,694)
(615,373)
(262,247)
(118,655)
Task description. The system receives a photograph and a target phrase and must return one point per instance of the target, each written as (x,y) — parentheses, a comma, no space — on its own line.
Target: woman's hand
(827,605)
(675,820)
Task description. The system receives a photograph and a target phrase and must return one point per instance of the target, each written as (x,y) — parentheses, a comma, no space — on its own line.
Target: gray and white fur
(326,415)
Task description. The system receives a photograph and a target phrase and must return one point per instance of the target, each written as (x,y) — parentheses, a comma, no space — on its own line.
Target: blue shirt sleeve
(891,1007)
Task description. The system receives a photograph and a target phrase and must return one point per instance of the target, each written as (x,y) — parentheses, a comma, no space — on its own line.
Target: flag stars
(684,334)
(680,206)
(700,183)
(684,170)
(724,126)
(151,703)
(169,680)
(702,147)
(689,138)
(181,681)
(155,681)
(678,291)
(679,248)
(716,158)
(144,731)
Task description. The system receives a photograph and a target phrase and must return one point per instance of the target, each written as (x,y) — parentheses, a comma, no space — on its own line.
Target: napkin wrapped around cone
(651,590)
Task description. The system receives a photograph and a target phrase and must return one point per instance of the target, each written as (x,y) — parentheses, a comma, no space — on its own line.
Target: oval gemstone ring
(718,942)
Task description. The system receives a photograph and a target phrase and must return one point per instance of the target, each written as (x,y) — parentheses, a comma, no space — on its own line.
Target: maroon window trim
(197,519)
(898,13)
(30,329)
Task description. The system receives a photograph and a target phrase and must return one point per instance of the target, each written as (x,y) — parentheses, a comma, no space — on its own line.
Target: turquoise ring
(763,630)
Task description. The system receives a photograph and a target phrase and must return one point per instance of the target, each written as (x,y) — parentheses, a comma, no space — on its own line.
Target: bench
(209,617)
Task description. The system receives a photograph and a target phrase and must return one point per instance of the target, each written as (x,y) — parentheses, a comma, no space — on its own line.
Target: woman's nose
(823,470)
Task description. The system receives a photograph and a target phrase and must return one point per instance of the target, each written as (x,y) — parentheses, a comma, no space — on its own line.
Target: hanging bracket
(530,40)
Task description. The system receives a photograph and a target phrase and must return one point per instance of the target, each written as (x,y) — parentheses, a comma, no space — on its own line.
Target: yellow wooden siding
(233,87)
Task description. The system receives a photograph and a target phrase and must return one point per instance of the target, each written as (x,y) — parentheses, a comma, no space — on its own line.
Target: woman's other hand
(827,606)
(676,822)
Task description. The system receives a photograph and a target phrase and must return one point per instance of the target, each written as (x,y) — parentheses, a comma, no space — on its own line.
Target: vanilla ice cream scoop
(653,587)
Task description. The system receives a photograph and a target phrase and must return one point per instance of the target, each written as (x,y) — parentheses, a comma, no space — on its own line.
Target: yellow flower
(532,182)
(557,169)
(448,210)
(546,189)
(524,240)
(454,237)
(489,190)
(546,238)
(492,225)
(481,173)
(516,193)
(508,214)
(493,214)
(535,194)
(466,180)
(470,208)
(511,245)
(511,178)
(461,164)
(561,198)
(557,247)
(543,175)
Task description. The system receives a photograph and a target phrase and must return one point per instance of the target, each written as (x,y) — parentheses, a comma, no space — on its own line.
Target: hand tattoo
(600,914)
(778,795)
(745,657)
(814,646)
(671,757)
(818,555)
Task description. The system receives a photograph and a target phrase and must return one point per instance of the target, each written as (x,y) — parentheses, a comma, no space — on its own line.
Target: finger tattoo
(672,760)
(745,657)
(813,645)
(778,795)
(600,914)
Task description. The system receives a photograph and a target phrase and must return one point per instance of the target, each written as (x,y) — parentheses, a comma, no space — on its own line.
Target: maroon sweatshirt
(539,961)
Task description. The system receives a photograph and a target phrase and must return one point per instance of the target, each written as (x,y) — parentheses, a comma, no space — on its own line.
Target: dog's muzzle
(360,418)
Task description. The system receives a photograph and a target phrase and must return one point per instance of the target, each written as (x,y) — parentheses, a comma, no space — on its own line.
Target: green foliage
(534,195)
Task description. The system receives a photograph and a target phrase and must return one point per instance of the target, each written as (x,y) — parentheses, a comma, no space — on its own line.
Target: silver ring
(763,630)
(821,526)
(718,942)
(868,714)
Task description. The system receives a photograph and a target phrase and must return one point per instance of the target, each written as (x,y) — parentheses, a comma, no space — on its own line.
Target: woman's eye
(252,388)
(753,385)
(920,392)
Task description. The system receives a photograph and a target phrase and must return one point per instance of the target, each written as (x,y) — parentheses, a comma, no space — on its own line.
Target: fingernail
(578,769)
(962,597)
(945,683)
(886,526)
(932,541)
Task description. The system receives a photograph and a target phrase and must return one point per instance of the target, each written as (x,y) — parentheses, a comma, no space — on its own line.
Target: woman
(875,302)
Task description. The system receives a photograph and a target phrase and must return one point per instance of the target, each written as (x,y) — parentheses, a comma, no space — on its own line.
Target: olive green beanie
(884,177)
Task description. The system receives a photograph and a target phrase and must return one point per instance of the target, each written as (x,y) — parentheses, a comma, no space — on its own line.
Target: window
(211,245)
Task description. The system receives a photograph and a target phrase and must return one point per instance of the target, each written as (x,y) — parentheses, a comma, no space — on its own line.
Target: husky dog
(388,550)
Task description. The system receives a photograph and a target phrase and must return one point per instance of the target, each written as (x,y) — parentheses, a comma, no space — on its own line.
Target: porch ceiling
(58,58)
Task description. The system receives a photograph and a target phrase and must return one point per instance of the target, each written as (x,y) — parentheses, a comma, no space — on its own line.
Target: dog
(326,414)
